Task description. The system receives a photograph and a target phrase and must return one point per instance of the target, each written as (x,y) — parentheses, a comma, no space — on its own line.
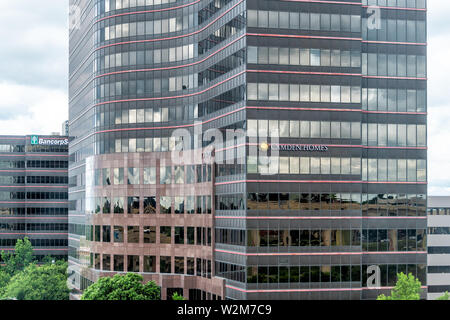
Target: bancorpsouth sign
(294,147)
(35,140)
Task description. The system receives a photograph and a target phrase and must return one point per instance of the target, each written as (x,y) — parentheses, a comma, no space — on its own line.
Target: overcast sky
(33,76)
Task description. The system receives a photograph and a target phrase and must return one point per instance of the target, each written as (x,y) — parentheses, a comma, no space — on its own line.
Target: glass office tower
(249,149)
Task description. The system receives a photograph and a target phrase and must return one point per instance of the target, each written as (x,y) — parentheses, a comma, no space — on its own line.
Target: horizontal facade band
(320,253)
(309,290)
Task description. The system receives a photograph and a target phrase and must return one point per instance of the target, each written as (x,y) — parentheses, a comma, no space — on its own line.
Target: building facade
(249,149)
(438,275)
(65,128)
(34,193)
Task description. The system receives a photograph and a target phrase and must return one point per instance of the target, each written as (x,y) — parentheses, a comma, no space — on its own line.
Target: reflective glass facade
(261,149)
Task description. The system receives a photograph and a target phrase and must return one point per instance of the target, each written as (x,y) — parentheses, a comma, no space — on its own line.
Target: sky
(34,72)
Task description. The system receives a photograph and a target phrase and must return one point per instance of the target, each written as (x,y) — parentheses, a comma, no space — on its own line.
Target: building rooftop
(439,201)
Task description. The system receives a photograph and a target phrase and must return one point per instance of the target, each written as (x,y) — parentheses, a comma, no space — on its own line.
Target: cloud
(33,66)
(438,98)
(34,42)
(26,109)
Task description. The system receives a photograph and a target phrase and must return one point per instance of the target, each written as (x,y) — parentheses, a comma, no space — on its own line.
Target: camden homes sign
(299,147)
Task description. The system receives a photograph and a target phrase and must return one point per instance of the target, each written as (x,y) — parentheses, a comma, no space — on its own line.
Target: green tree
(18,259)
(4,280)
(46,282)
(122,287)
(446,296)
(176,296)
(408,287)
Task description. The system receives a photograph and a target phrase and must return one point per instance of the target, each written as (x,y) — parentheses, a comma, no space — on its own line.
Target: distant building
(33,193)
(65,128)
(438,276)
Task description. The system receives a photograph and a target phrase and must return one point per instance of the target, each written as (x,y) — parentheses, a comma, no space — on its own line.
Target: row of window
(146,28)
(439,250)
(382,134)
(147,115)
(34,211)
(167,205)
(148,86)
(289,238)
(147,57)
(395,30)
(419,4)
(12,148)
(6,226)
(304,129)
(103,6)
(180,174)
(438,289)
(373,134)
(439,211)
(230,202)
(413,170)
(370,204)
(303,20)
(180,235)
(304,165)
(304,57)
(330,273)
(382,240)
(197,294)
(7,243)
(4,195)
(303,93)
(167,264)
(47,179)
(393,65)
(164,144)
(43,148)
(12,179)
(439,230)
(394,100)
(438,269)
(47,164)
(4,164)
(372,240)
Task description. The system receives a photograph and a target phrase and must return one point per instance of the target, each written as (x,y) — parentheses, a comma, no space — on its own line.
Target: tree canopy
(176,296)
(17,260)
(122,287)
(46,282)
(408,287)
(445,296)
(22,279)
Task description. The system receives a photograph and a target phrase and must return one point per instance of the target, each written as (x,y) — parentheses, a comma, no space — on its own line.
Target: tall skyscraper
(249,149)
(34,193)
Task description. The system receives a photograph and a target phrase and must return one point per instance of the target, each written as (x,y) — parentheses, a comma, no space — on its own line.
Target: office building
(302,126)
(438,275)
(65,128)
(34,193)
